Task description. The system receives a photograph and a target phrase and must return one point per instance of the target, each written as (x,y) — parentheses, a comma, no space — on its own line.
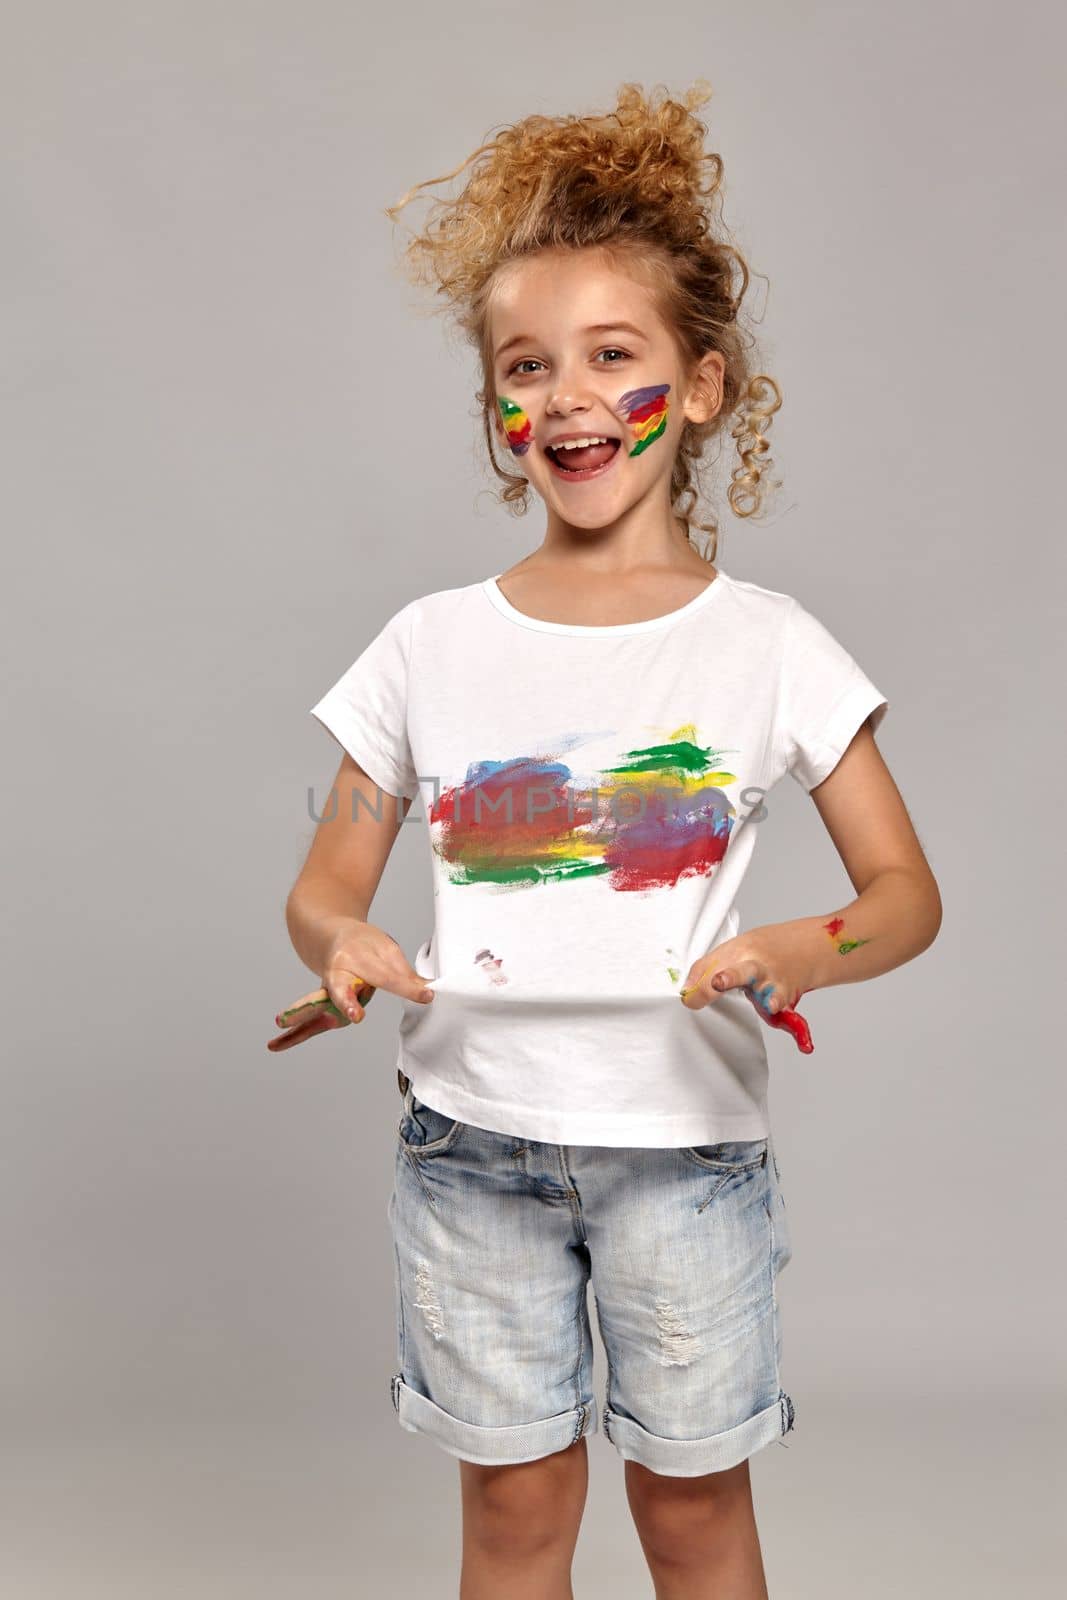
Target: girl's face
(580,353)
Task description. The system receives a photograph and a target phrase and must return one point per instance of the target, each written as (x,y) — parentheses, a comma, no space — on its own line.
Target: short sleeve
(824,697)
(366,710)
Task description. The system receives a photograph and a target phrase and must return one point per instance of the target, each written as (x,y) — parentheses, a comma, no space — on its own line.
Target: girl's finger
(713,982)
(321,1023)
(355,991)
(320,1002)
(308,1005)
(735,977)
(315,1008)
(763,994)
(697,987)
(789,1019)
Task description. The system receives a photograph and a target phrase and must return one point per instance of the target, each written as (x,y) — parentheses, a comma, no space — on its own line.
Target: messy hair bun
(636,183)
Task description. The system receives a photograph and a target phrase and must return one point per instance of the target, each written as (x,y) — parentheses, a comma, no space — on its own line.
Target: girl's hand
(315,1013)
(361,959)
(764,965)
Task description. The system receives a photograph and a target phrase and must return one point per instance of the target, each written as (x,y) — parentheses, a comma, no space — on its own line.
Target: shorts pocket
(732,1155)
(424,1132)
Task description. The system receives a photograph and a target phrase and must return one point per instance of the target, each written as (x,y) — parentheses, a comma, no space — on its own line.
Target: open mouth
(579,460)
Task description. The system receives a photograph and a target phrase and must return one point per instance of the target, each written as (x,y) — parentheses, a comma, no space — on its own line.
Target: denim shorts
(496,1239)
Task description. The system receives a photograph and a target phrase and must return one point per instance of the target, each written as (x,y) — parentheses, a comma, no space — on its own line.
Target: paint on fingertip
(762,997)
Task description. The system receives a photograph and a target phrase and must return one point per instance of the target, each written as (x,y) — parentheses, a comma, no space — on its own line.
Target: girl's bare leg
(698,1534)
(520,1526)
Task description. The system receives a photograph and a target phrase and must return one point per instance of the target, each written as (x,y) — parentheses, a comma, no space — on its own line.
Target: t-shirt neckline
(497,598)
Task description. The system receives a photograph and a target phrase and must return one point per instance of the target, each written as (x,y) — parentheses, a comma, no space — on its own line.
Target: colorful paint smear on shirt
(645,822)
(517,426)
(491,966)
(646,412)
(833,928)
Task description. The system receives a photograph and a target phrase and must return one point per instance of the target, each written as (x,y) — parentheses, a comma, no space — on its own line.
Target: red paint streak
(651,408)
(790,1020)
(656,866)
(472,831)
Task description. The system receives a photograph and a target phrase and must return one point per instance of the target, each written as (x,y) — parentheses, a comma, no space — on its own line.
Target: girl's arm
(896,913)
(344,864)
(897,910)
(327,910)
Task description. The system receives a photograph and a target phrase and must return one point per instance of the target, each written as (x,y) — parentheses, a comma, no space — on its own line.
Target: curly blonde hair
(638,185)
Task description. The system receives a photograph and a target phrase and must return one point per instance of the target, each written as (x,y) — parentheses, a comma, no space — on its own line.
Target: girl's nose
(566,399)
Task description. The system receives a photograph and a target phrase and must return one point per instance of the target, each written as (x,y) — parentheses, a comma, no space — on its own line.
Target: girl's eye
(531,361)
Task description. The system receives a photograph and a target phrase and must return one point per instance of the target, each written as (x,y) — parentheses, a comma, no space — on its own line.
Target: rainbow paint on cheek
(646,412)
(517,426)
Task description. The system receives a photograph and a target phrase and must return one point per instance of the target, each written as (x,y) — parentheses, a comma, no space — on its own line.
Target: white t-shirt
(592,797)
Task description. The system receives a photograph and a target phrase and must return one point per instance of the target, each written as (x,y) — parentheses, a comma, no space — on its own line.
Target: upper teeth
(577,444)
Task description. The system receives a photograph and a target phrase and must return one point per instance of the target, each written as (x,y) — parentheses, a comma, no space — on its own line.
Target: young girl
(582,1048)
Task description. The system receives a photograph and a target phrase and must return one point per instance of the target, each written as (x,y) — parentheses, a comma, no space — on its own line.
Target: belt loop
(404,1084)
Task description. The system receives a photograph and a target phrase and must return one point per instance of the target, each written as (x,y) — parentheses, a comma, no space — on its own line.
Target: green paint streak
(643,444)
(508,407)
(325,1005)
(525,872)
(682,755)
(850,944)
(674,974)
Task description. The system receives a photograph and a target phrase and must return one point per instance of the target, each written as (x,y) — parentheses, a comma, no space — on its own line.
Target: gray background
(236,444)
